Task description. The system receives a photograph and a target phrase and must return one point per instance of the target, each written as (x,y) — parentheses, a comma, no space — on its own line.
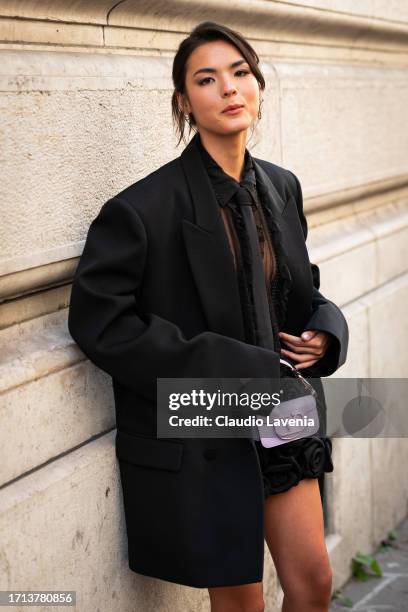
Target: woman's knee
(321,583)
(313,585)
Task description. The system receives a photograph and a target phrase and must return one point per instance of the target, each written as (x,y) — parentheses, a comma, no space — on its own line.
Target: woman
(164,290)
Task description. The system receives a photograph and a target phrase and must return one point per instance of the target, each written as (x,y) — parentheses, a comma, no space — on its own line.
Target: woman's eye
(244,71)
(203,80)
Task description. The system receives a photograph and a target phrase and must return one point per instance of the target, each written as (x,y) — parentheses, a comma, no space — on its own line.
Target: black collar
(205,206)
(225,186)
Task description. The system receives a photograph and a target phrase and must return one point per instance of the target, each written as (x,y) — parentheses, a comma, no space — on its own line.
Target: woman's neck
(228,151)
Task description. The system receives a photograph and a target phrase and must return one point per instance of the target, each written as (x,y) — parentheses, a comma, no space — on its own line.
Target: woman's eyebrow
(237,63)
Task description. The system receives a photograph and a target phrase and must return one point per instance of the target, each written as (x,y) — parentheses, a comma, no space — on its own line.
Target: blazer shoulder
(154,184)
(283,178)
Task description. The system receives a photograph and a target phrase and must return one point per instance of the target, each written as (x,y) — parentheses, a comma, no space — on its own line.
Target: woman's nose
(229,90)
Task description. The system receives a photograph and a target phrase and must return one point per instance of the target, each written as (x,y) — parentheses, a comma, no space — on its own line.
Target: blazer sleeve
(135,347)
(326,316)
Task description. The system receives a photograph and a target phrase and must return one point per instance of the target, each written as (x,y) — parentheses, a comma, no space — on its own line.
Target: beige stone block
(38,277)
(350,510)
(49,416)
(380,9)
(388,324)
(48,71)
(378,333)
(337,237)
(358,357)
(72,149)
(36,348)
(34,305)
(58,10)
(371,244)
(62,527)
(392,255)
(389,225)
(51,33)
(348,276)
(389,457)
(359,147)
(142,39)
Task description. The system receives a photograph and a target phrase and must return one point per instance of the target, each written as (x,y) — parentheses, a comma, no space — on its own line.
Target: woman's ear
(183,104)
(180,102)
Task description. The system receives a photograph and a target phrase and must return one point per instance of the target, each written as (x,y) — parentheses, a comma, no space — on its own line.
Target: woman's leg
(294,532)
(241,598)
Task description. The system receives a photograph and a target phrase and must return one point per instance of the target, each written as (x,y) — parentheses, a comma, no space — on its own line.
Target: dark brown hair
(206,31)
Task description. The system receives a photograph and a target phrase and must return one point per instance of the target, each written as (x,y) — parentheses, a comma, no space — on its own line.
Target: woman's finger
(296,356)
(317,341)
(289,338)
(307,364)
(304,349)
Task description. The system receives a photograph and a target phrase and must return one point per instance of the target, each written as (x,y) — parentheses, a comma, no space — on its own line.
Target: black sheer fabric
(226,188)
(283,466)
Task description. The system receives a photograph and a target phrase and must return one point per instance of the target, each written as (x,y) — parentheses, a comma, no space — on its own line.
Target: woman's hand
(306,349)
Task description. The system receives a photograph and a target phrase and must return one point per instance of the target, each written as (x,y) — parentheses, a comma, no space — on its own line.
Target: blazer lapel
(275,204)
(209,251)
(272,198)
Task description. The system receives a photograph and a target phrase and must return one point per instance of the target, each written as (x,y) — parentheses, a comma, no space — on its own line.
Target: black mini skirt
(284,466)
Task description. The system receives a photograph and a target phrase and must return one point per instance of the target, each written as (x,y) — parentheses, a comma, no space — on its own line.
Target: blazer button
(210,453)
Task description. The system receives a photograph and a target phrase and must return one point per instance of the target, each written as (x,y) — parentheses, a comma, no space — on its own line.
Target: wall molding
(160,24)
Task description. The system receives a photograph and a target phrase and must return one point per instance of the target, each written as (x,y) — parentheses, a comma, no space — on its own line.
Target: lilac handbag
(295,417)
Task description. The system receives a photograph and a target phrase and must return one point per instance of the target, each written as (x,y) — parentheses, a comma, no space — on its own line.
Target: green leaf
(346,602)
(359,572)
(364,559)
(392,535)
(375,566)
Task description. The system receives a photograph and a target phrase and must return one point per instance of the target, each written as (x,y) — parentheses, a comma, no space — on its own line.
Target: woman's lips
(233,111)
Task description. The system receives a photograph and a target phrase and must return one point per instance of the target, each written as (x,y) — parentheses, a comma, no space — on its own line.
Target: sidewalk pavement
(389,592)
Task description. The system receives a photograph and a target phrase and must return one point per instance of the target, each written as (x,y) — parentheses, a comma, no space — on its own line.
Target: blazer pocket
(149,452)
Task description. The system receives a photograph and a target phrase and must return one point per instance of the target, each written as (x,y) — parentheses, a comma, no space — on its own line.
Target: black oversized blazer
(155,295)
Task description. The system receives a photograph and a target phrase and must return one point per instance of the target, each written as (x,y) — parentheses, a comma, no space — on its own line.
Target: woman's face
(217,75)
